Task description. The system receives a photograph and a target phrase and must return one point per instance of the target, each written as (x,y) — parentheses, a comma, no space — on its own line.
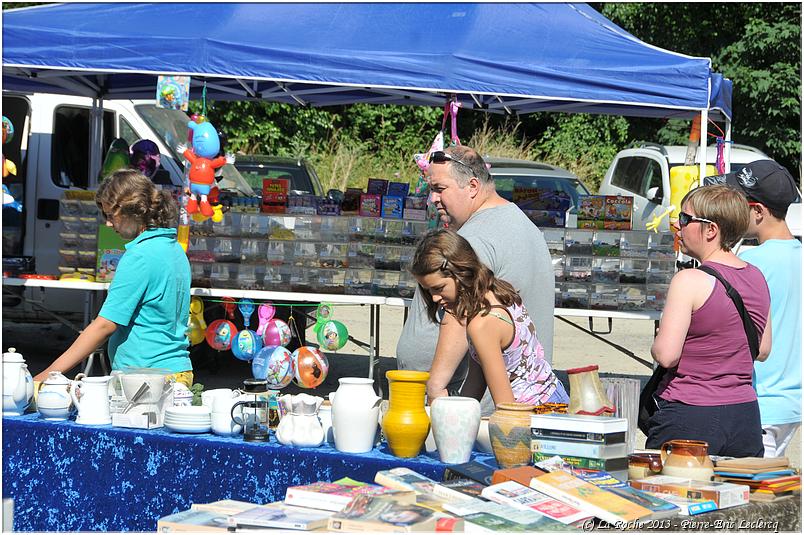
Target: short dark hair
(475,165)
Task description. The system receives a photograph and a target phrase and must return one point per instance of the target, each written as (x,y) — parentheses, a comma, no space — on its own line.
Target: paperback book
(660,508)
(335,496)
(579,449)
(589,498)
(475,470)
(458,489)
(521,497)
(482,516)
(372,513)
(578,436)
(280,515)
(520,474)
(609,465)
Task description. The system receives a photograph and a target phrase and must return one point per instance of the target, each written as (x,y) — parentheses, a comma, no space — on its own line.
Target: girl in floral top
(506,353)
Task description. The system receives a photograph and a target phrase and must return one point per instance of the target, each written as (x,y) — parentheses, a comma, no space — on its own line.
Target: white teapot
(300,425)
(54,401)
(18,387)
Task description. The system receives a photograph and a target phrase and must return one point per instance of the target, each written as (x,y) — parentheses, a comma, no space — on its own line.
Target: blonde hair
(449,253)
(138,202)
(725,206)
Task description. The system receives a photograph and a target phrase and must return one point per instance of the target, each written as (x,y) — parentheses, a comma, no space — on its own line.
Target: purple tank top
(531,377)
(716,366)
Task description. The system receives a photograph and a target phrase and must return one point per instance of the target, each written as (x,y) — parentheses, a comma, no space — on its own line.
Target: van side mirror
(654,195)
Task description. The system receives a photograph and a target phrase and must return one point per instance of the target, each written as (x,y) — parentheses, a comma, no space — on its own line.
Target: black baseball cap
(762,181)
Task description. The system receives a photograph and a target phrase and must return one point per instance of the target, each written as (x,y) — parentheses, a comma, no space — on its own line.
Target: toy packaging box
(545,208)
(415,208)
(351,201)
(377,186)
(399,189)
(370,205)
(591,211)
(618,212)
(393,206)
(111,247)
(274,195)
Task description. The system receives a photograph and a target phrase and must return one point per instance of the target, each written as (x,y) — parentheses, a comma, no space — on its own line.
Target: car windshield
(550,184)
(254,172)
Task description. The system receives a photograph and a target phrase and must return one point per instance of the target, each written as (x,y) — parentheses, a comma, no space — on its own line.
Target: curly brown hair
(449,253)
(138,202)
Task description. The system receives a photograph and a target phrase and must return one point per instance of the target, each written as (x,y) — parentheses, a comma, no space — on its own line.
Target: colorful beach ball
(275,365)
(277,333)
(311,367)
(220,334)
(333,335)
(246,345)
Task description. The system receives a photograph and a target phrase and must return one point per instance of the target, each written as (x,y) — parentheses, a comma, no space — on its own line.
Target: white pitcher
(17,384)
(300,426)
(355,414)
(91,397)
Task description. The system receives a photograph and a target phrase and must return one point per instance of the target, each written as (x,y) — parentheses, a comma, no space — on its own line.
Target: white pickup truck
(644,174)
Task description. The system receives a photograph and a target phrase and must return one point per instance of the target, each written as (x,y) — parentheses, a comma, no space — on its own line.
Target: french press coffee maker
(252,413)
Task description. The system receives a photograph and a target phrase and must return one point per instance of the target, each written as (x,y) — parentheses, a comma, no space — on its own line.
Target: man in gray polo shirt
(505,240)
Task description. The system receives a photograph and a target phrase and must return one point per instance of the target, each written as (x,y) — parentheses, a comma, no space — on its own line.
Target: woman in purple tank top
(506,353)
(707,393)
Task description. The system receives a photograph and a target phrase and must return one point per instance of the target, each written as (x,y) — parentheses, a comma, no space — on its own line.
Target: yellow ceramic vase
(406,423)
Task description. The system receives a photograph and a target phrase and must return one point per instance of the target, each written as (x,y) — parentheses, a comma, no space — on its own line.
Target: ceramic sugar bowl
(300,425)
(18,384)
(54,401)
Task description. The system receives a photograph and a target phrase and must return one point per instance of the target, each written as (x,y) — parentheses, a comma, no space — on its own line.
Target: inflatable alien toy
(204,159)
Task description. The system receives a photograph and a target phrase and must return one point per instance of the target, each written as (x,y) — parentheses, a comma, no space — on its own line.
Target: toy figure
(656,221)
(9,201)
(204,159)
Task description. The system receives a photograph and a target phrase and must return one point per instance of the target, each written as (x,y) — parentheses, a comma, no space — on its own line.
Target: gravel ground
(41,343)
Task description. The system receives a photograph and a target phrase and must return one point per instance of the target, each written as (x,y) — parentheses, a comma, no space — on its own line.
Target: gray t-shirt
(514,248)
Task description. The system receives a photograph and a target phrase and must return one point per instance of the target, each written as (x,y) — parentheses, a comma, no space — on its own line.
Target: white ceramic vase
(355,414)
(455,421)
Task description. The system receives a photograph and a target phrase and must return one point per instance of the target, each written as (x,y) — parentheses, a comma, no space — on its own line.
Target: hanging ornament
(247,343)
(273,364)
(196,331)
(220,334)
(229,306)
(311,367)
(265,313)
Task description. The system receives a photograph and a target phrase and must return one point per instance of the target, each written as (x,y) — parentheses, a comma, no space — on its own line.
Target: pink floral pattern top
(531,377)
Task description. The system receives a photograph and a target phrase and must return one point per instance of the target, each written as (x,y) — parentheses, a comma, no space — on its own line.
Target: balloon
(277,333)
(196,330)
(246,345)
(311,367)
(8,130)
(275,365)
(333,335)
(117,157)
(145,157)
(220,334)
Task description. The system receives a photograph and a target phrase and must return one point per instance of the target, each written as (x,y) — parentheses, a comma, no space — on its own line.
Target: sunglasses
(440,156)
(685,219)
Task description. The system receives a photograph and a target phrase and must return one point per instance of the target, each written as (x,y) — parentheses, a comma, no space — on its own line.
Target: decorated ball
(8,130)
(311,367)
(220,334)
(246,345)
(275,365)
(195,331)
(277,333)
(333,335)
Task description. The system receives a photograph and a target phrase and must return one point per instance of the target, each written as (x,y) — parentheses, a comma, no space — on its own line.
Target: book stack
(592,442)
(723,494)
(769,479)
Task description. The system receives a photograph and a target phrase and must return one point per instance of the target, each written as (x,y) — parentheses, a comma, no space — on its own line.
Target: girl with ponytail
(504,348)
(147,309)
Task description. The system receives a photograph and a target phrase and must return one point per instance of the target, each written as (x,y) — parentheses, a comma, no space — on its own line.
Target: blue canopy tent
(503,58)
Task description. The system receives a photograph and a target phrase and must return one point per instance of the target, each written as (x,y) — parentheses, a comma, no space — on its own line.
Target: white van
(51,149)
(644,174)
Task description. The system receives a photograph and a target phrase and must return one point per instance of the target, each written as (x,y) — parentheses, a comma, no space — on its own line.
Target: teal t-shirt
(778,379)
(149,300)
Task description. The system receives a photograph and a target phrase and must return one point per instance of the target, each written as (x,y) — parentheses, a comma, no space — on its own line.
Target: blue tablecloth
(69,477)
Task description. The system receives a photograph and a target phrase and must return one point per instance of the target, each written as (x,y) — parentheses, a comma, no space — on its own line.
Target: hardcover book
(723,494)
(370,205)
(604,480)
(579,422)
(579,449)
(372,514)
(522,497)
(334,496)
(274,195)
(589,498)
(279,515)
(578,436)
(475,470)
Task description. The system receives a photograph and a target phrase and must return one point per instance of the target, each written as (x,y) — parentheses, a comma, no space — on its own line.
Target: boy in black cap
(770,190)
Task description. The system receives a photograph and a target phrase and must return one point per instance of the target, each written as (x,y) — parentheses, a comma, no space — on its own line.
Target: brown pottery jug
(688,459)
(642,465)
(509,430)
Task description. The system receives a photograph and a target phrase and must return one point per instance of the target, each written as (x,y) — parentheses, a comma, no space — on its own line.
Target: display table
(69,477)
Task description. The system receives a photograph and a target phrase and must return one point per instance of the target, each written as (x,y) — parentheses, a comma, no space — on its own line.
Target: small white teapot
(18,385)
(54,401)
(300,425)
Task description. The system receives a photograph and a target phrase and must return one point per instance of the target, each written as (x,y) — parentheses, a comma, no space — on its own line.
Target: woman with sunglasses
(707,392)
(146,312)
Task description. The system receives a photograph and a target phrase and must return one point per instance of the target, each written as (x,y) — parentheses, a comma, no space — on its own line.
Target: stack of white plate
(188,419)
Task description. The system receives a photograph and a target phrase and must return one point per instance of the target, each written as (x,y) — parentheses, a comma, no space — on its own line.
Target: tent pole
(702,149)
(727,148)
(95,140)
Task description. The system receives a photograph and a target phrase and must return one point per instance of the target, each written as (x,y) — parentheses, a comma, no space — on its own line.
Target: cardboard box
(274,195)
(111,247)
(370,205)
(393,206)
(723,494)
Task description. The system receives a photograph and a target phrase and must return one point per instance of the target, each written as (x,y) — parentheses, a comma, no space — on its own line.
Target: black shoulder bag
(647,405)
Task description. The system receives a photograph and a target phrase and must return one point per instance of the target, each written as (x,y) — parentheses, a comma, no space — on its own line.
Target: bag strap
(748,324)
